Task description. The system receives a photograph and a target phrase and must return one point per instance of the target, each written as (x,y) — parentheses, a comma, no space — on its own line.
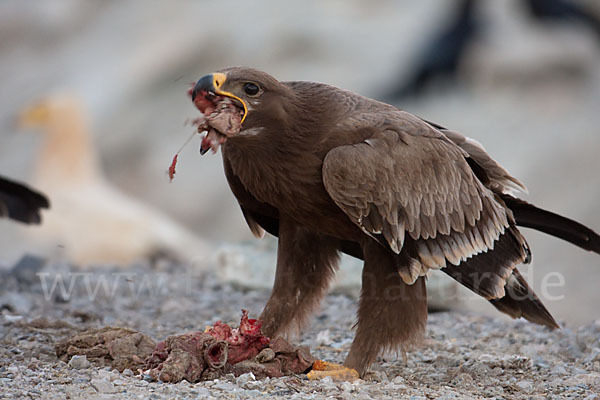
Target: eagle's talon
(322,369)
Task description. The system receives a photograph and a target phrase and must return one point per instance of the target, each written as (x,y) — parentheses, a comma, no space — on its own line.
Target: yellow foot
(337,372)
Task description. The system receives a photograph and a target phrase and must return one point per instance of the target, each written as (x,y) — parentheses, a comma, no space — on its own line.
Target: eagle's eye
(251,89)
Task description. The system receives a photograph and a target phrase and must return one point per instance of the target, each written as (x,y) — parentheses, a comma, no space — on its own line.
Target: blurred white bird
(90,218)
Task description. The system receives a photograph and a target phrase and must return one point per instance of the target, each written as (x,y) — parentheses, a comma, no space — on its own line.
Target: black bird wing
(20,203)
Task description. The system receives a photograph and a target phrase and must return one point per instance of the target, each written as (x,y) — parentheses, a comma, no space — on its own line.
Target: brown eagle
(329,171)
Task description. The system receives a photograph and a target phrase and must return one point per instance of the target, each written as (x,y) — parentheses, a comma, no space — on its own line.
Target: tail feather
(521,301)
(485,274)
(530,216)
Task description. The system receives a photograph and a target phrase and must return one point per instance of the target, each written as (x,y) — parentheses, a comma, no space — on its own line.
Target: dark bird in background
(442,56)
(440,59)
(21,203)
(563,11)
(329,171)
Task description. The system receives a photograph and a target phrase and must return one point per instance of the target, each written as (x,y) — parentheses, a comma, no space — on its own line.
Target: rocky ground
(464,356)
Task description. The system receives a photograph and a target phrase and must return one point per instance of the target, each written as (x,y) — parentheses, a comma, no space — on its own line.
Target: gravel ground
(464,355)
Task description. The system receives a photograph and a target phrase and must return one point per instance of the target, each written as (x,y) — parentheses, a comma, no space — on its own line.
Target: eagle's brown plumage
(328,170)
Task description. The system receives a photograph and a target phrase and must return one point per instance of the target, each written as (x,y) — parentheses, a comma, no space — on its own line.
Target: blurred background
(522,80)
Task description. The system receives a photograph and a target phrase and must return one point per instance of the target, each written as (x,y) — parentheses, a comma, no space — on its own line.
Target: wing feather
(421,185)
(497,174)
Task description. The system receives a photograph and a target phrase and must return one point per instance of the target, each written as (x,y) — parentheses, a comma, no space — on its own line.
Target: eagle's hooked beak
(212,83)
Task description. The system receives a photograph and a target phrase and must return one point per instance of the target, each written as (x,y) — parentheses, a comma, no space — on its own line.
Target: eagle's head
(238,102)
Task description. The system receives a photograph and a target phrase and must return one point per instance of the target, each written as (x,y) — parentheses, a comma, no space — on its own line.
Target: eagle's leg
(391,314)
(306,262)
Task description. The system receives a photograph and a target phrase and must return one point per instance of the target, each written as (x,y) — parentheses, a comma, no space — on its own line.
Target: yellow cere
(218,81)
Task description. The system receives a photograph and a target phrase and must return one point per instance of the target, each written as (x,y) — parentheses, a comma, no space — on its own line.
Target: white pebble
(79,362)
(243,379)
(103,386)
(525,386)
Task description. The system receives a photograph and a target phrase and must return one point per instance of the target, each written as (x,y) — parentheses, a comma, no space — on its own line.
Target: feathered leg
(306,262)
(391,314)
